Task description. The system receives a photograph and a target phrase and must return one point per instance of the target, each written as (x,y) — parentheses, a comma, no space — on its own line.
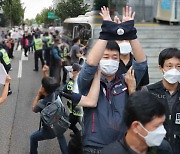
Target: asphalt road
(17,121)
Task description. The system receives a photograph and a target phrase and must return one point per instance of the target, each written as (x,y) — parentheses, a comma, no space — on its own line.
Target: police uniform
(172,103)
(47,49)
(64,50)
(38,45)
(55,64)
(76,112)
(4,59)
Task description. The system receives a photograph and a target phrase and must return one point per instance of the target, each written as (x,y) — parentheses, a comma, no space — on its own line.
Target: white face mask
(155,137)
(172,76)
(70,75)
(109,67)
(125,48)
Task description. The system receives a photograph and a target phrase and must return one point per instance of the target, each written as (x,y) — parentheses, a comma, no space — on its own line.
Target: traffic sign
(51,15)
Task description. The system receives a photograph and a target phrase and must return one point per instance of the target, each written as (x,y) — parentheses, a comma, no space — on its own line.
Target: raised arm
(44,71)
(140,62)
(92,98)
(5,90)
(137,49)
(138,52)
(38,95)
(97,51)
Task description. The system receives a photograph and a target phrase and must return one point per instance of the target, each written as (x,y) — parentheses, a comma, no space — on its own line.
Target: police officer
(55,61)
(4,59)
(47,47)
(38,46)
(64,50)
(168,92)
(76,113)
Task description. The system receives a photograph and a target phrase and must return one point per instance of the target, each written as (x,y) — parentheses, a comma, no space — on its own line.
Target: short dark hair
(112,45)
(143,107)
(75,40)
(167,54)
(76,67)
(49,84)
(46,34)
(56,31)
(36,35)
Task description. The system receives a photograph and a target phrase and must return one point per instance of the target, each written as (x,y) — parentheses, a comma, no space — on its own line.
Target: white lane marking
(20,69)
(23,58)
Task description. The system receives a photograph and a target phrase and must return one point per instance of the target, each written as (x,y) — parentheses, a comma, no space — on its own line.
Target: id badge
(177,121)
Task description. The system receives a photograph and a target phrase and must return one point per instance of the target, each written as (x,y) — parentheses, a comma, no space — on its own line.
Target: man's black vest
(172,123)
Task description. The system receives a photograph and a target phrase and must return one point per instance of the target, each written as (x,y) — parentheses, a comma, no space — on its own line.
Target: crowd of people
(108,94)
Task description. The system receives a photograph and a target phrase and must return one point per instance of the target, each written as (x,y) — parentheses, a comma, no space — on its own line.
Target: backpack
(55,116)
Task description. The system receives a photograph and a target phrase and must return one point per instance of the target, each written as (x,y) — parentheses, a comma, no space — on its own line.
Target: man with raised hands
(104,123)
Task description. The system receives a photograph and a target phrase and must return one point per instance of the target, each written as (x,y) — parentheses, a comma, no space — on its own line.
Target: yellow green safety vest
(38,44)
(5,56)
(49,43)
(63,52)
(77,111)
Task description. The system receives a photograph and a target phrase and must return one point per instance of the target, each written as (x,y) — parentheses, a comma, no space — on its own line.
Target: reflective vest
(5,56)
(63,52)
(49,42)
(76,111)
(38,44)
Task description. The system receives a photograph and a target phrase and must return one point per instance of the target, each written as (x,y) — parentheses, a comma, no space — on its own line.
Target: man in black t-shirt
(126,60)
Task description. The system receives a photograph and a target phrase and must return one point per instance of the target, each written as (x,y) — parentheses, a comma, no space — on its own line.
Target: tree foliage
(71,8)
(29,21)
(99,3)
(1,3)
(13,11)
(43,16)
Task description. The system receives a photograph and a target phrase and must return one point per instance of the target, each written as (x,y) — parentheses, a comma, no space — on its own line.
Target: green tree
(71,8)
(13,11)
(43,16)
(99,3)
(39,18)
(29,21)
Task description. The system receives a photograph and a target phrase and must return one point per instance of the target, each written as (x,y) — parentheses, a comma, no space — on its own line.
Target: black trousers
(7,68)
(25,51)
(38,55)
(74,120)
(64,72)
(47,55)
(10,51)
(55,71)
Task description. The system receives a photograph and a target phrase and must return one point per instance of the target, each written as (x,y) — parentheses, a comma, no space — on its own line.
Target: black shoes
(9,92)
(35,70)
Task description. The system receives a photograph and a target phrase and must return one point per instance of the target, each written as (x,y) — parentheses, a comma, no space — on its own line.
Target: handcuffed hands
(118,30)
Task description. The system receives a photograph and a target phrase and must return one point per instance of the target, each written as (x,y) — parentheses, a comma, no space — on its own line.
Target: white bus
(87,27)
